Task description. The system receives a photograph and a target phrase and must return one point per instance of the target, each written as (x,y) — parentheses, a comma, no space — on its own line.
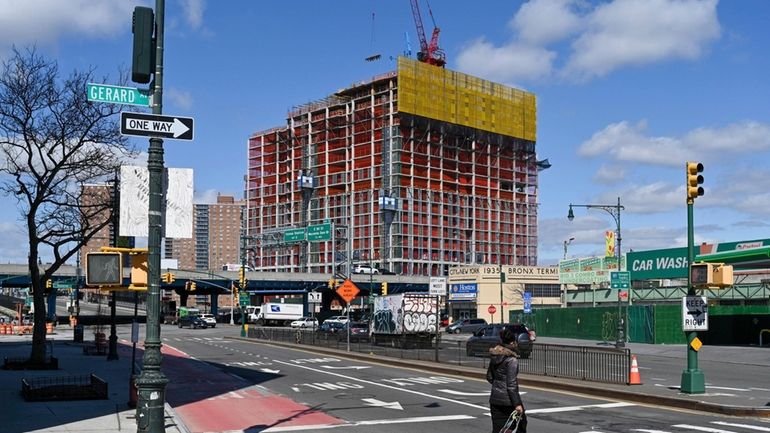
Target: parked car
(210,320)
(365,269)
(359,331)
(329,328)
(338,319)
(305,322)
(489,336)
(193,322)
(466,325)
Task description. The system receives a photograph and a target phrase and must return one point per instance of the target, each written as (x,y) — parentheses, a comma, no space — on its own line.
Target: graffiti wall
(419,314)
(387,314)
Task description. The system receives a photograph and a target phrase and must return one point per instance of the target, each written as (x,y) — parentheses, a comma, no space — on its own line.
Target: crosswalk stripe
(748,426)
(574,408)
(699,428)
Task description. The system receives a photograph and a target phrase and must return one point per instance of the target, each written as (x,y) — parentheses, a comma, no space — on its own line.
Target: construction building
(416,170)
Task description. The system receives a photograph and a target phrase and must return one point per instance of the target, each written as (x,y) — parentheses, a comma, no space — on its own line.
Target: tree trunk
(37,356)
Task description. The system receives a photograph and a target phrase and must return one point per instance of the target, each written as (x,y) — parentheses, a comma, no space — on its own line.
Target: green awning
(742,259)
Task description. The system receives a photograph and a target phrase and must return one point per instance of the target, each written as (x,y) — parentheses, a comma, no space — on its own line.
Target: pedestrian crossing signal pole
(693,379)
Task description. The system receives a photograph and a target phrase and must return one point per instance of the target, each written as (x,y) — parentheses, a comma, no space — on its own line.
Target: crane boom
(429,53)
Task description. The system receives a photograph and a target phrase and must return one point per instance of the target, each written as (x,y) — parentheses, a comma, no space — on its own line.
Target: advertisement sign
(527,298)
(658,264)
(463,292)
(609,243)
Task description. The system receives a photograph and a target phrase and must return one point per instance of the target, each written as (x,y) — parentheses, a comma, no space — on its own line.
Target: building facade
(216,237)
(416,170)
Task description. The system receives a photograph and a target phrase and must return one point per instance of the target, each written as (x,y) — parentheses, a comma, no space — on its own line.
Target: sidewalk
(112,415)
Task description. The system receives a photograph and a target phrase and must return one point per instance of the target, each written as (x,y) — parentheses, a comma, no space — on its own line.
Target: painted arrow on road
(386,405)
(350,367)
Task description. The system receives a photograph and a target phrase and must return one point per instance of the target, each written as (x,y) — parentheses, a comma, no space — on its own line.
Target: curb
(536,381)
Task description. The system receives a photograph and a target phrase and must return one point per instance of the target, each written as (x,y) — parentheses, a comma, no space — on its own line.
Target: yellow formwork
(450,96)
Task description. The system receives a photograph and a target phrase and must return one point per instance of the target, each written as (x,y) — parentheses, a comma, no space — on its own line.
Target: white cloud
(24,22)
(193,12)
(541,22)
(608,174)
(637,32)
(507,63)
(14,245)
(603,38)
(180,98)
(656,197)
(629,143)
(208,196)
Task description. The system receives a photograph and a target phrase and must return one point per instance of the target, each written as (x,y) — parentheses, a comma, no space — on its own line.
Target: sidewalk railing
(84,387)
(595,364)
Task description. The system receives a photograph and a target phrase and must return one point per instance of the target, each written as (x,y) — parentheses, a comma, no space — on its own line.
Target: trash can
(78,333)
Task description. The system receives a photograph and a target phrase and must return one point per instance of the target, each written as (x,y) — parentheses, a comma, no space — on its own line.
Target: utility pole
(151,383)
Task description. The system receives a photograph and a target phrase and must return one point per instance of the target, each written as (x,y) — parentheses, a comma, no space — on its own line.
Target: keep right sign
(695,313)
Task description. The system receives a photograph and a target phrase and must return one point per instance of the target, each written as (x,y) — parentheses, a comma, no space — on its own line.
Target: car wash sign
(657,264)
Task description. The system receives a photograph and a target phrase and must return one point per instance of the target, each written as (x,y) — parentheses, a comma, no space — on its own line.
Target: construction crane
(429,52)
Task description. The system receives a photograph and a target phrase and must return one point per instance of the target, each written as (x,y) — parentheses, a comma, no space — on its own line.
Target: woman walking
(504,401)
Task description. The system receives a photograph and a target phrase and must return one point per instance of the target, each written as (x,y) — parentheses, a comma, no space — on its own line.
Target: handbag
(512,424)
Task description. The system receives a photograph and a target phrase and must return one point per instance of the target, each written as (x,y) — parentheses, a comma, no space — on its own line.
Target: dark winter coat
(503,373)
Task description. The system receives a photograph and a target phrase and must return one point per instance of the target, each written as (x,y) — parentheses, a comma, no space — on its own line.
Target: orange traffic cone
(634,378)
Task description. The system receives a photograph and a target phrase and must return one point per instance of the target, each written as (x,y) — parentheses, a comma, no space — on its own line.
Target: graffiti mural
(419,314)
(387,314)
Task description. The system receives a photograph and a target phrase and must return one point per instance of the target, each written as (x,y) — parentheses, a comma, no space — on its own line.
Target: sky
(627,92)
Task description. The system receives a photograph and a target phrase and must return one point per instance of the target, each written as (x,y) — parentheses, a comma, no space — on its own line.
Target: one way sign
(155,125)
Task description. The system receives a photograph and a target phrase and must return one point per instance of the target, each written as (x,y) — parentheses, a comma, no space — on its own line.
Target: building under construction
(414,171)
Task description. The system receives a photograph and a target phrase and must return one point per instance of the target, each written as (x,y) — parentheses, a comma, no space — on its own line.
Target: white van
(251,313)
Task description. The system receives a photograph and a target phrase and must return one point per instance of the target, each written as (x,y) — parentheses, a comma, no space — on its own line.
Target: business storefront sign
(658,264)
(463,292)
(590,270)
(585,277)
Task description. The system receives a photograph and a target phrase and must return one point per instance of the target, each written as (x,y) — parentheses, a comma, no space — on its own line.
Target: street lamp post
(613,210)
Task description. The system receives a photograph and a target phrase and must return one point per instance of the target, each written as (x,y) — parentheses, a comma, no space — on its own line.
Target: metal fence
(85,387)
(596,364)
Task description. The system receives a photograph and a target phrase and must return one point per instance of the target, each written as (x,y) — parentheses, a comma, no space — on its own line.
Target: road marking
(370,422)
(453,392)
(727,388)
(354,367)
(377,403)
(759,389)
(581,407)
(750,427)
(382,385)
(267,370)
(649,431)
(698,428)
(314,360)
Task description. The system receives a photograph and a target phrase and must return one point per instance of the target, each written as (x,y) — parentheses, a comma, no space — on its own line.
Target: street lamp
(613,210)
(569,241)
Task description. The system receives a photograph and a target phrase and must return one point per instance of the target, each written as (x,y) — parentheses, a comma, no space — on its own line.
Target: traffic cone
(634,378)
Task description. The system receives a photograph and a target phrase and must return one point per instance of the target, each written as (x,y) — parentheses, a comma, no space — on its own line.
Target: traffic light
(48,284)
(694,180)
(192,286)
(139,269)
(384,288)
(168,278)
(242,276)
(186,285)
(332,283)
(711,274)
(104,269)
(143,57)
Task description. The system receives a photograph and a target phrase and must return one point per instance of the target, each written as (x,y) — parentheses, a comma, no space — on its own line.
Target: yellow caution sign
(696,344)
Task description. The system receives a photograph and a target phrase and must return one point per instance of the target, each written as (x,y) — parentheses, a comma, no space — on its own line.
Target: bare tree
(52,141)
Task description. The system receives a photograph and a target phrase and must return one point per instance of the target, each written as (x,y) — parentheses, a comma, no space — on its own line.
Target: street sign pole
(693,379)
(151,383)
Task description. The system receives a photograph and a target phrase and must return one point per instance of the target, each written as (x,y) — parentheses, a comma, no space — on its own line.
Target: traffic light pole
(693,379)
(151,383)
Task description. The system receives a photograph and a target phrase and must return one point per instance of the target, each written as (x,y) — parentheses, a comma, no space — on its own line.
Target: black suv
(192,322)
(489,336)
(466,325)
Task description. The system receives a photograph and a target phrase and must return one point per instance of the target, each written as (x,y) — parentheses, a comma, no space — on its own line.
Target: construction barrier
(634,378)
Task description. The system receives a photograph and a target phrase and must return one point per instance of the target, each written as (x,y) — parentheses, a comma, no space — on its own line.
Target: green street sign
(319,233)
(294,235)
(117,95)
(620,280)
(243,298)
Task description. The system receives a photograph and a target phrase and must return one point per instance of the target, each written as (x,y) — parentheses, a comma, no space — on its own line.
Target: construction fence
(654,324)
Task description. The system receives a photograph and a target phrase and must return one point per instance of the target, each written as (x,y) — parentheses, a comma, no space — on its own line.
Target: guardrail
(595,364)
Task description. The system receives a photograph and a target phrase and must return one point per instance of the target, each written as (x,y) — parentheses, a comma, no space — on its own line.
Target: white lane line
(759,389)
(382,385)
(581,407)
(453,392)
(746,426)
(370,422)
(727,388)
(699,428)
(644,430)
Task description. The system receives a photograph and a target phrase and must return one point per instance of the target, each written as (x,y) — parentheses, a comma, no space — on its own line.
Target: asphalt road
(292,390)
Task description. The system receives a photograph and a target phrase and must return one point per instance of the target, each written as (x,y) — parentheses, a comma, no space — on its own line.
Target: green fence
(658,324)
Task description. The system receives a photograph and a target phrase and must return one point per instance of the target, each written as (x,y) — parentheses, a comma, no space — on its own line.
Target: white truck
(279,314)
(251,312)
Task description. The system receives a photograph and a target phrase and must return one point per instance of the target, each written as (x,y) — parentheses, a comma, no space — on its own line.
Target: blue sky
(627,91)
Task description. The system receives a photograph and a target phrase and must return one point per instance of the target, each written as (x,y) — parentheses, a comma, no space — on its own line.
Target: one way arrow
(155,125)
(178,128)
(386,405)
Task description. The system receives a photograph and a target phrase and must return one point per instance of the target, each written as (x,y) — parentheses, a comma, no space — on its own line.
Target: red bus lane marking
(208,399)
